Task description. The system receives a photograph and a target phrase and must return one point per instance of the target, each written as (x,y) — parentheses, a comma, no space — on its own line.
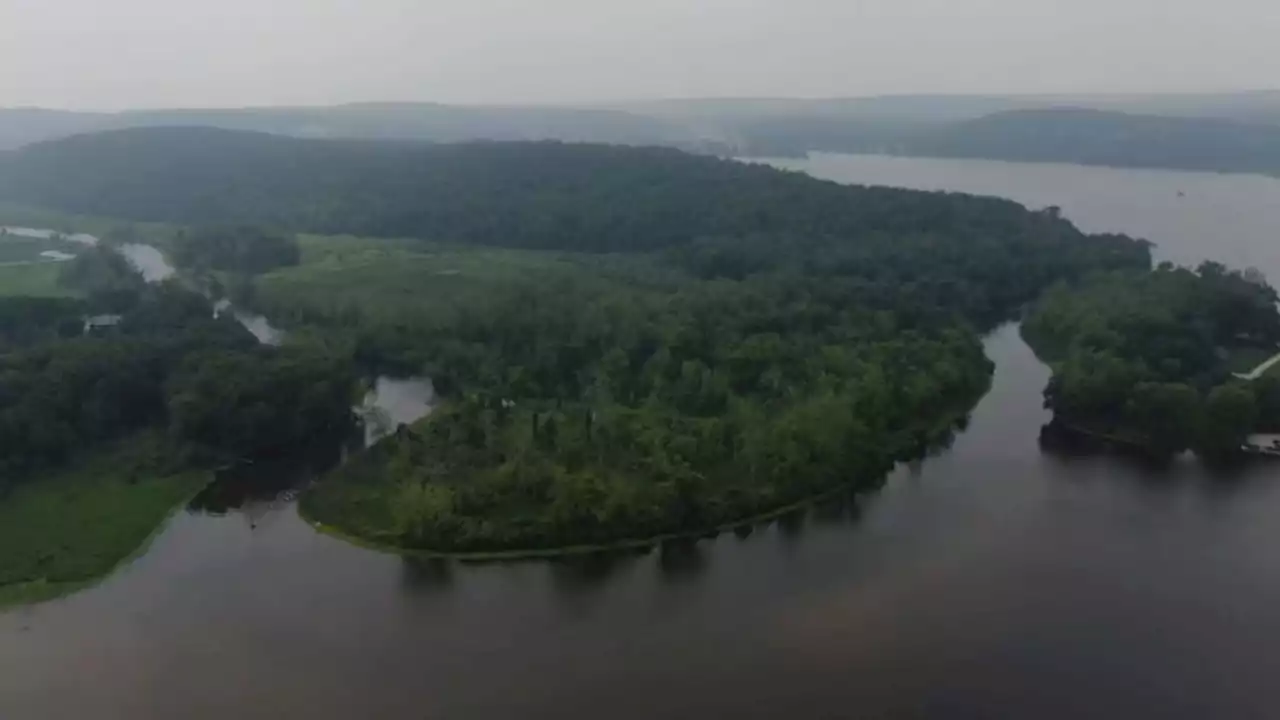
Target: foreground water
(1002,578)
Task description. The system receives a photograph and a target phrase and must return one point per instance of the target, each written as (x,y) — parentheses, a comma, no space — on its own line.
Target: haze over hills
(1228,132)
(391,121)
(1095,137)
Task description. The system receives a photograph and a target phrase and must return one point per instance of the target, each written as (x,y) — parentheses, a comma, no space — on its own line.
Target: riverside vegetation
(630,342)
(1148,357)
(103,430)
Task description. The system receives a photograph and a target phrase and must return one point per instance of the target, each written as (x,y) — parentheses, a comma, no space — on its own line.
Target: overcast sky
(152,53)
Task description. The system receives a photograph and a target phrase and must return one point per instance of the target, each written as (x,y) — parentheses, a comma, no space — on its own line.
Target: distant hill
(791,126)
(382,121)
(1083,128)
(1229,132)
(1249,106)
(22,126)
(1093,137)
(523,194)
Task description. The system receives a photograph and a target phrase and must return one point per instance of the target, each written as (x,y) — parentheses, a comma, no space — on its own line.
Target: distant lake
(1007,577)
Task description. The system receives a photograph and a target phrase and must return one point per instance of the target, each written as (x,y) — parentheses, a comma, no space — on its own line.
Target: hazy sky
(133,53)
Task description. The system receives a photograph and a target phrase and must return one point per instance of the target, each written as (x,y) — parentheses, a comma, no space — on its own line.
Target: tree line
(169,365)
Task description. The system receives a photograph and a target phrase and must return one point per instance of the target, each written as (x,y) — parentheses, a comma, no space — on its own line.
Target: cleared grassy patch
(63,532)
(394,278)
(37,280)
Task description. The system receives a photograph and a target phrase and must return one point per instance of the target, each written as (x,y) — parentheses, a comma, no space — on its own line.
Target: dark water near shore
(1001,579)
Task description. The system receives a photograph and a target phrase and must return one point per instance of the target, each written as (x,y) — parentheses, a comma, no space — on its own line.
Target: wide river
(1000,579)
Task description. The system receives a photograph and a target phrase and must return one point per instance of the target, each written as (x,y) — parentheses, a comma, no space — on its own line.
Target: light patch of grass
(394,279)
(72,528)
(37,280)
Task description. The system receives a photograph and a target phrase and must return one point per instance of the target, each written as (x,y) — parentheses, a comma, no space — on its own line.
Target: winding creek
(1004,577)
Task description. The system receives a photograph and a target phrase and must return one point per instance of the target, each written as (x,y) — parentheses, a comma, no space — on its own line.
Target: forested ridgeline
(727,219)
(592,198)
(1232,132)
(1150,358)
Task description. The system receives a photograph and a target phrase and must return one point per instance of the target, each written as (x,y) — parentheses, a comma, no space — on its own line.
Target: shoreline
(33,593)
(619,546)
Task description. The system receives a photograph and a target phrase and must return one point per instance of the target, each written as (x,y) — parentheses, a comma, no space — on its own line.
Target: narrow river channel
(1001,578)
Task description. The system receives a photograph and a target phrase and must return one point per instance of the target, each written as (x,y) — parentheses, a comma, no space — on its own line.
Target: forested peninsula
(628,342)
(1162,360)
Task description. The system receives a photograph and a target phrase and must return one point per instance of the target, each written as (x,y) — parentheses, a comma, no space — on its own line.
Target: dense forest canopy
(168,364)
(591,402)
(1147,356)
(537,195)
(240,249)
(629,341)
(588,413)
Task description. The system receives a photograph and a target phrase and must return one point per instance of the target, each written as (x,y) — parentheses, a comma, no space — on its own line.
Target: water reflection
(257,325)
(251,489)
(427,575)
(256,490)
(148,261)
(393,402)
(791,526)
(46,234)
(261,328)
(1065,444)
(582,575)
(838,509)
(681,561)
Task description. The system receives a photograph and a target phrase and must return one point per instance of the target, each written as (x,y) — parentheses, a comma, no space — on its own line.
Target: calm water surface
(393,402)
(1000,579)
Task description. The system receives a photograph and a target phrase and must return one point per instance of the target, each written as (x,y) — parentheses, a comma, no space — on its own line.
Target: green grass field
(394,277)
(38,280)
(61,533)
(16,248)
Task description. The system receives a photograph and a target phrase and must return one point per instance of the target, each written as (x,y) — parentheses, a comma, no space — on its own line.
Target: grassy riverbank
(70,530)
